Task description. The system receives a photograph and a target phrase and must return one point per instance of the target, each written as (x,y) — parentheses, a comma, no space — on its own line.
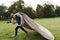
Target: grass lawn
(52,24)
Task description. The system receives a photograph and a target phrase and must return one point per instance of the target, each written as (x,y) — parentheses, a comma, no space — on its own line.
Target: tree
(2,11)
(19,6)
(30,12)
(57,11)
(39,11)
(49,10)
(16,7)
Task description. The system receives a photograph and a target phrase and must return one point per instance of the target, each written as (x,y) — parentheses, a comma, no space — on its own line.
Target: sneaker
(14,36)
(26,37)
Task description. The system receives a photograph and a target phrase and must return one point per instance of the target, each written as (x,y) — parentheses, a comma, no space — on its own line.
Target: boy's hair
(12,15)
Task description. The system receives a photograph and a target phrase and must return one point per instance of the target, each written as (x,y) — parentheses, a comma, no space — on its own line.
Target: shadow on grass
(36,36)
(22,36)
(32,36)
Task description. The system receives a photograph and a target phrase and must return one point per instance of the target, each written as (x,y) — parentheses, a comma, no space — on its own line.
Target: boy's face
(12,15)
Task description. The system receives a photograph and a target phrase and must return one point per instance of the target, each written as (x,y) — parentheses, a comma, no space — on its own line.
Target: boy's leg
(23,29)
(16,30)
(25,32)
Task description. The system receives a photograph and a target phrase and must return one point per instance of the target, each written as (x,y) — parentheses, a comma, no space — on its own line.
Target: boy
(19,21)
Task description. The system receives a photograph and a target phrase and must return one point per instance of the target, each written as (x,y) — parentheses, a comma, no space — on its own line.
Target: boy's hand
(14,22)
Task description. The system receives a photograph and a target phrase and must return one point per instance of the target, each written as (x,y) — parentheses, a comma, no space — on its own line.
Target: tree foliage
(30,12)
(47,10)
(39,11)
(16,7)
(57,11)
(2,11)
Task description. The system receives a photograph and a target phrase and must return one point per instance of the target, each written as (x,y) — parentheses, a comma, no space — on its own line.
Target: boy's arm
(22,22)
(12,21)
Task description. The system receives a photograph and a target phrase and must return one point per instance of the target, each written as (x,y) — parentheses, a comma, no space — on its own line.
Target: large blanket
(29,23)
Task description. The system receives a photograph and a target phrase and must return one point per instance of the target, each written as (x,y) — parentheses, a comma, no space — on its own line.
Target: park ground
(52,24)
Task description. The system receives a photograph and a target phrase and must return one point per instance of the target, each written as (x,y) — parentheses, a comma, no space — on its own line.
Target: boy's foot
(14,36)
(26,37)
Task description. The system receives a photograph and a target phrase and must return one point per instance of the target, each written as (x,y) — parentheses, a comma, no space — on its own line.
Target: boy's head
(12,15)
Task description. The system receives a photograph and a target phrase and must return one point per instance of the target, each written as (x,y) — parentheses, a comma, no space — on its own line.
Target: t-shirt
(18,20)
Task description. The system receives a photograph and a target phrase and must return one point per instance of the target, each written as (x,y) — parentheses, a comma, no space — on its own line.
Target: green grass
(52,24)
